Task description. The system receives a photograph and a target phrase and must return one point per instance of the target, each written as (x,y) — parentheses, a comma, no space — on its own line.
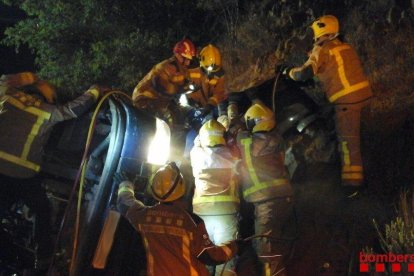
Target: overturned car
(83,156)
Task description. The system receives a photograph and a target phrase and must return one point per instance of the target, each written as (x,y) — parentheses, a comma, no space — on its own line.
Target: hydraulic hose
(80,176)
(274,90)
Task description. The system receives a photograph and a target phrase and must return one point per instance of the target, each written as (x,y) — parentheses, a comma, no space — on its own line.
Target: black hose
(274,90)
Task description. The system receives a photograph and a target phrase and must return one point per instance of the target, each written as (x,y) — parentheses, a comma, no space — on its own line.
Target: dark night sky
(10,61)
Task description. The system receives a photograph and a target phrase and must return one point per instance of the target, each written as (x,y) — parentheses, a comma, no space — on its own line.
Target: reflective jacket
(158,87)
(176,241)
(25,128)
(264,173)
(211,88)
(216,186)
(339,70)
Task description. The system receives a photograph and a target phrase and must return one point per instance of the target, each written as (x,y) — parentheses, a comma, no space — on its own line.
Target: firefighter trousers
(348,129)
(272,215)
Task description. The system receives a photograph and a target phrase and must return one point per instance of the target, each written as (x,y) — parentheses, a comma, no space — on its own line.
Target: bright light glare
(183,100)
(159,149)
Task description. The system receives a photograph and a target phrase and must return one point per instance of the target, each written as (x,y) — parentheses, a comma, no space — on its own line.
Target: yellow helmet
(259,118)
(47,90)
(210,58)
(327,24)
(168,183)
(212,134)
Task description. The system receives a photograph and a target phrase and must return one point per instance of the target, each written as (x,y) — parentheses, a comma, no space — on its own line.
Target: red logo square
(379,267)
(396,267)
(363,268)
(410,267)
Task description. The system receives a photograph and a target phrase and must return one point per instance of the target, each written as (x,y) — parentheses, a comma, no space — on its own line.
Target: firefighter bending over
(339,70)
(29,114)
(216,196)
(265,184)
(157,91)
(176,240)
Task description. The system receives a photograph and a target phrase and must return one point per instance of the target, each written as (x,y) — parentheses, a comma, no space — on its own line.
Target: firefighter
(176,240)
(216,198)
(208,94)
(339,70)
(209,79)
(26,124)
(265,184)
(156,92)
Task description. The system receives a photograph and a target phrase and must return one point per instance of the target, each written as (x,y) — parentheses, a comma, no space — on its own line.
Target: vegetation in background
(80,42)
(398,236)
(77,43)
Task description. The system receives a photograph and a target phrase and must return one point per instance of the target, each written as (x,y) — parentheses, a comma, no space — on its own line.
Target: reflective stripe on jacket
(339,69)
(26,126)
(211,90)
(176,241)
(264,173)
(158,87)
(216,186)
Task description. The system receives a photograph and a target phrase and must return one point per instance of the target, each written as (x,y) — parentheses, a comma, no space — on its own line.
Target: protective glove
(232,111)
(98,91)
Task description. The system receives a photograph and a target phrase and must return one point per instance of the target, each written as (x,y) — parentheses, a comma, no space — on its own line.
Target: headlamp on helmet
(210,59)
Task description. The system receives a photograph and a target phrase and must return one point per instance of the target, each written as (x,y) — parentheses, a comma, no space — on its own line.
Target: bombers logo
(378,262)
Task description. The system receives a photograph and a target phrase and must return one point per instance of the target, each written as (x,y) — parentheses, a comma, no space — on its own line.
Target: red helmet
(185,48)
